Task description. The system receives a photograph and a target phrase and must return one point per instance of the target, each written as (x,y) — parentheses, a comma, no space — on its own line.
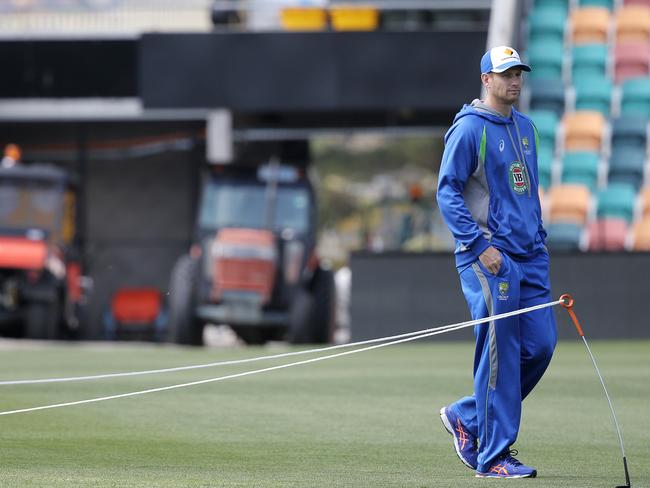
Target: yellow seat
(633,24)
(303,18)
(354,18)
(590,25)
(569,203)
(583,131)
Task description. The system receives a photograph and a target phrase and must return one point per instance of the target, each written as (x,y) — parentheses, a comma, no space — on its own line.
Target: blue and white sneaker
(465,444)
(506,466)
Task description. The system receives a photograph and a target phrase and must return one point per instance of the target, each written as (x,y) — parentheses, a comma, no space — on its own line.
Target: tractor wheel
(42,320)
(311,316)
(183,326)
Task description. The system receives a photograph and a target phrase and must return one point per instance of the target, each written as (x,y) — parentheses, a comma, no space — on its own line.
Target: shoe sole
(487,475)
(450,429)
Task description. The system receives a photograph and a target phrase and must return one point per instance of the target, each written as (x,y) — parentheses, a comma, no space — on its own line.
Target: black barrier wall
(393,293)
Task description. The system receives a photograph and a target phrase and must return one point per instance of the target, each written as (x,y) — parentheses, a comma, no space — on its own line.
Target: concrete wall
(394,293)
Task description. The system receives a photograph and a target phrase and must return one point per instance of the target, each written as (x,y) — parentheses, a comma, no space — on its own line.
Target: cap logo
(508,52)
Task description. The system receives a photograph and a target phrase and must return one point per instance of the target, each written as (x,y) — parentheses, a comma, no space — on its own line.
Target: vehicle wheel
(42,320)
(311,317)
(183,326)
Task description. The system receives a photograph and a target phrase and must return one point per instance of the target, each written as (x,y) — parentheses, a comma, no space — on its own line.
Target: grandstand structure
(589,96)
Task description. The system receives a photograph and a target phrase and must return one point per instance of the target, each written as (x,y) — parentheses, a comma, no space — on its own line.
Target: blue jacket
(488,184)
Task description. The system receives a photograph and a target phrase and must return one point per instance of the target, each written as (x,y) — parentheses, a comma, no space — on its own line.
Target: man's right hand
(491,259)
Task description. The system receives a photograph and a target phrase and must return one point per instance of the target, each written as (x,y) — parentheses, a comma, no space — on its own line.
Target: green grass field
(364,420)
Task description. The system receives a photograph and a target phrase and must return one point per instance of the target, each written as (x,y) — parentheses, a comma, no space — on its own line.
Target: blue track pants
(511,354)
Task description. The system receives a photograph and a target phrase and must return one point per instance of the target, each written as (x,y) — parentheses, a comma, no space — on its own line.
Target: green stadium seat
(580,168)
(629,131)
(544,164)
(617,201)
(546,23)
(594,93)
(626,165)
(546,123)
(547,95)
(636,97)
(562,4)
(563,236)
(547,58)
(588,61)
(597,3)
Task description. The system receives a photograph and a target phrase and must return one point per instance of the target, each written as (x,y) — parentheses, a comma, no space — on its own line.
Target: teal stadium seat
(597,3)
(547,95)
(629,131)
(588,61)
(562,4)
(617,201)
(546,123)
(580,168)
(563,236)
(547,57)
(544,163)
(594,93)
(626,165)
(636,97)
(547,23)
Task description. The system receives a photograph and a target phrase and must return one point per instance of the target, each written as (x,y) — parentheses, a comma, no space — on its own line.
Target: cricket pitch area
(364,420)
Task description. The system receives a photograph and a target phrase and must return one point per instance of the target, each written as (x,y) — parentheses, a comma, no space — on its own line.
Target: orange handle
(567,302)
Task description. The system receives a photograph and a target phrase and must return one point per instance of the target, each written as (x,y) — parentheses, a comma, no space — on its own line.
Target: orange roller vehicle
(41,292)
(253,264)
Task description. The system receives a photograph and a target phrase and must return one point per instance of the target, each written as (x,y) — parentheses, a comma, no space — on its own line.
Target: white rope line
(274,356)
(282,366)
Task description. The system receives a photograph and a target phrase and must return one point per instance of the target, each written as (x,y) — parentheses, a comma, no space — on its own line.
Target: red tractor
(41,292)
(253,265)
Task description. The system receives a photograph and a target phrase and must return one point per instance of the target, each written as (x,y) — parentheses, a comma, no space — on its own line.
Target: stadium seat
(583,131)
(593,93)
(631,60)
(629,131)
(626,165)
(633,24)
(645,202)
(590,25)
(303,18)
(354,18)
(636,2)
(607,234)
(547,57)
(580,168)
(563,4)
(641,235)
(544,165)
(569,203)
(608,4)
(563,236)
(588,61)
(546,123)
(546,23)
(636,96)
(547,95)
(616,201)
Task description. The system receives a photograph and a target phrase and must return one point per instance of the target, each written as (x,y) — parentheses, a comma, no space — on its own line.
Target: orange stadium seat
(353,18)
(645,202)
(641,235)
(631,60)
(633,24)
(583,131)
(590,25)
(303,18)
(569,203)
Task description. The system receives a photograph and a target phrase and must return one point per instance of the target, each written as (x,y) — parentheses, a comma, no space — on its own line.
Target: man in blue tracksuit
(488,196)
